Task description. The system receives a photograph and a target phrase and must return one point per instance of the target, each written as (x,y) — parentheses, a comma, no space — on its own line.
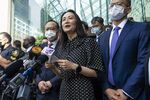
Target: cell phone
(54,59)
(56,64)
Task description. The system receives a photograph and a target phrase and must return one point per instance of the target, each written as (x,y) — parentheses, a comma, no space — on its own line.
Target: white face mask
(116,12)
(49,34)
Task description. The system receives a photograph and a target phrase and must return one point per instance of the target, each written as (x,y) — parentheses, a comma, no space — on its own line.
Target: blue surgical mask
(96,30)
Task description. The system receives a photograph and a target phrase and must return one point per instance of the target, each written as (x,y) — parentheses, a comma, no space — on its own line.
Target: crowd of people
(89,63)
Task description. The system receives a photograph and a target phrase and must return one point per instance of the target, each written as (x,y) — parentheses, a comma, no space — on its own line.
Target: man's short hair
(17,43)
(51,20)
(31,40)
(7,36)
(98,19)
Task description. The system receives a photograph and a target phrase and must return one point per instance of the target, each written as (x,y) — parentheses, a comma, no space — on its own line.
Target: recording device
(30,67)
(12,69)
(20,77)
(24,92)
(31,55)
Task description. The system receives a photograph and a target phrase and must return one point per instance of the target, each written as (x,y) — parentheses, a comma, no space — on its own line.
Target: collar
(54,43)
(29,48)
(122,24)
(75,42)
(7,46)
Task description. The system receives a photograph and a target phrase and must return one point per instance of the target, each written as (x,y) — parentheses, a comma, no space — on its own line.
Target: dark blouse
(83,51)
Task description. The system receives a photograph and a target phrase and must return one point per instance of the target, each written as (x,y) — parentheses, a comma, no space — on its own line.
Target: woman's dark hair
(129,2)
(79,29)
(85,25)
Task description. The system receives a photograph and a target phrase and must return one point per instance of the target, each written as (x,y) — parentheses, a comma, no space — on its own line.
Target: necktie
(112,49)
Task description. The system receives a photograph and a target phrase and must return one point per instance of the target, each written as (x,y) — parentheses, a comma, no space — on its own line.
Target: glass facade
(140,10)
(86,9)
(28,16)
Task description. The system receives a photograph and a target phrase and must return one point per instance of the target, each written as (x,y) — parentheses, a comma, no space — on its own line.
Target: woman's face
(68,22)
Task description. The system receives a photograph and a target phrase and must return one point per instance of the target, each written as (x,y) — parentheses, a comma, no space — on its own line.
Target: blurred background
(23,18)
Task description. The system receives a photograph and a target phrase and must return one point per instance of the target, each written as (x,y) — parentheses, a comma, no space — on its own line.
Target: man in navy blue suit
(124,48)
(48,83)
(147,78)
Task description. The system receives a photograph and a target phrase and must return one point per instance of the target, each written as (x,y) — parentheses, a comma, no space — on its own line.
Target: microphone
(34,53)
(29,56)
(48,51)
(20,77)
(12,68)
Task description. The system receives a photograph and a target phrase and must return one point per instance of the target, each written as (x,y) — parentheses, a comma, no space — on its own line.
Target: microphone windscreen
(42,58)
(13,68)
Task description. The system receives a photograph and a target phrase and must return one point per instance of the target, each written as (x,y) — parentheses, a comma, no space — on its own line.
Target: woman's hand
(67,65)
(49,65)
(53,67)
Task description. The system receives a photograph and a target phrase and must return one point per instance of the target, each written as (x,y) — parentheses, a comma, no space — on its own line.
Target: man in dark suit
(48,83)
(147,78)
(124,48)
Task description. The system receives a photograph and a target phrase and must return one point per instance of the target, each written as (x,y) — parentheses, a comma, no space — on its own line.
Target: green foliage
(39,40)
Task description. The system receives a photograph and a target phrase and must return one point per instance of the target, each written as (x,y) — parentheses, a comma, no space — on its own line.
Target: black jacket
(147,78)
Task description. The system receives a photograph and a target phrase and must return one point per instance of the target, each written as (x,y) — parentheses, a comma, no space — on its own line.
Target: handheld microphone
(20,77)
(34,53)
(48,51)
(12,69)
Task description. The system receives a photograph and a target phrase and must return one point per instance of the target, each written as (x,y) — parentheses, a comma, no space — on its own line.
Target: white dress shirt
(121,25)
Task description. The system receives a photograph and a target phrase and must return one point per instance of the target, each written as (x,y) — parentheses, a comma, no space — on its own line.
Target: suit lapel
(106,47)
(124,33)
